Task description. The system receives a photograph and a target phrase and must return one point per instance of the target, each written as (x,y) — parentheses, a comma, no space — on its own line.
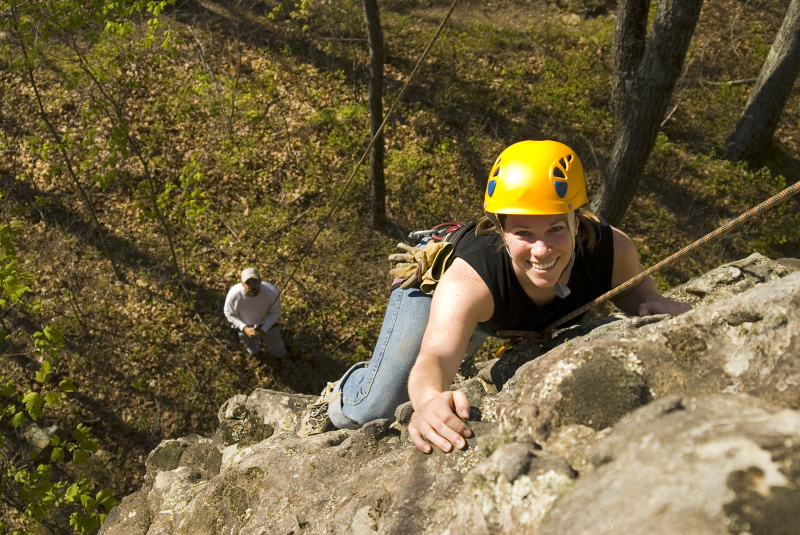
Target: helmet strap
(495,221)
(572,231)
(560,288)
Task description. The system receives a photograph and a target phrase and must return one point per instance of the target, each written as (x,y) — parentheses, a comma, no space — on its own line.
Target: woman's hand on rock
(663,305)
(438,421)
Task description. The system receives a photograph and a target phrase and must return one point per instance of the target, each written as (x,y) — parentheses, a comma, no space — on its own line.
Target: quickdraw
(437,233)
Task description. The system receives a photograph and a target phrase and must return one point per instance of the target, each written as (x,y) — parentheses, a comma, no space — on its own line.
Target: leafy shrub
(40,484)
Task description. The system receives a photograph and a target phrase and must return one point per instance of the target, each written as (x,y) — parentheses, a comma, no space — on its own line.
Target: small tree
(376,159)
(50,31)
(757,124)
(30,34)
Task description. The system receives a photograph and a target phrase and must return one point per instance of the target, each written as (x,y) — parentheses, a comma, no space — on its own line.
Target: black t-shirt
(513,309)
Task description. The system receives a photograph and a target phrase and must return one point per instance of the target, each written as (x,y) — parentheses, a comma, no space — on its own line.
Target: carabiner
(418,233)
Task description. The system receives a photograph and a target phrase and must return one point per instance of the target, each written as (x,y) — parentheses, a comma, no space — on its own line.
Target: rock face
(652,425)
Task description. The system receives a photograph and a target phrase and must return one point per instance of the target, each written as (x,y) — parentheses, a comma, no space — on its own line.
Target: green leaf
(33,403)
(14,288)
(45,472)
(18,420)
(8,389)
(106,498)
(72,494)
(89,445)
(45,372)
(53,398)
(22,476)
(81,433)
(54,334)
(83,524)
(88,502)
(80,457)
(57,455)
(35,306)
(30,397)
(66,385)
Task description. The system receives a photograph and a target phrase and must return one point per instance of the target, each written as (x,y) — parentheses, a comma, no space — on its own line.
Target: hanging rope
(389,113)
(546,333)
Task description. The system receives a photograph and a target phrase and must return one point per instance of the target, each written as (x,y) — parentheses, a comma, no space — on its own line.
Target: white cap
(250,273)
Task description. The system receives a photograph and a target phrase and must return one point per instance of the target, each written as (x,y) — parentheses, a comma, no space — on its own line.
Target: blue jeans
(374,390)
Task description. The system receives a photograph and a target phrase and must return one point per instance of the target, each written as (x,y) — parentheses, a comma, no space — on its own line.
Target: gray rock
(626,425)
(714,464)
(242,428)
(510,492)
(131,516)
(592,385)
(166,456)
(38,437)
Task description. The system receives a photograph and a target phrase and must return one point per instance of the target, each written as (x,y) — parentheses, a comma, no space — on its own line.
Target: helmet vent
(558,172)
(561,188)
(490,188)
(496,172)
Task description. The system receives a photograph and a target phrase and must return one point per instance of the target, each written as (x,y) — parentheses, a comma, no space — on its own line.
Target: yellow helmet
(536,177)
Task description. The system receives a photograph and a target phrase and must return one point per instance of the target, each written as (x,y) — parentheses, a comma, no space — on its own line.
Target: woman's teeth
(546,265)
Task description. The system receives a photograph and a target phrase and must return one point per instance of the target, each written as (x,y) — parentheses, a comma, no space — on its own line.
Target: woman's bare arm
(644,299)
(460,301)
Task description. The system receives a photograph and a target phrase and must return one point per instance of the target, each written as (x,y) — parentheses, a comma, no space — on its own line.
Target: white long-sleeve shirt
(244,310)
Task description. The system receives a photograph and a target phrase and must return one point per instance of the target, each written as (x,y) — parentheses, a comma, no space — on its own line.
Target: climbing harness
(546,334)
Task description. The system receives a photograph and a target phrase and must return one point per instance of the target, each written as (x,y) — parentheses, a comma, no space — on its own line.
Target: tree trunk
(376,51)
(647,93)
(630,38)
(756,127)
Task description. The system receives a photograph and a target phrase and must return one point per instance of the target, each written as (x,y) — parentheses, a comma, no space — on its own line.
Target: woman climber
(535,256)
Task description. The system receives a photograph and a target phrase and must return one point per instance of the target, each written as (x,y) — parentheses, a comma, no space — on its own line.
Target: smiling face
(540,247)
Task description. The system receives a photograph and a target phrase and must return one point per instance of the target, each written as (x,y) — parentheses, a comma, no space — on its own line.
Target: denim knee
(375,391)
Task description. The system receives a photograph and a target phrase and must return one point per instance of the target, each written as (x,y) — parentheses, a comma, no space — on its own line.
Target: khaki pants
(272,340)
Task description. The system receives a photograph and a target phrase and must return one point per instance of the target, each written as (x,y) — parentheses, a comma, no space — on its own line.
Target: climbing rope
(358,165)
(545,335)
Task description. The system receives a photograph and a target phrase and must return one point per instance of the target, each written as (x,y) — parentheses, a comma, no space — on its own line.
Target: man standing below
(253,308)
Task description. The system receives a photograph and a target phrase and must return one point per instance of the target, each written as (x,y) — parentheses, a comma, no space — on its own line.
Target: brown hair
(588,230)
